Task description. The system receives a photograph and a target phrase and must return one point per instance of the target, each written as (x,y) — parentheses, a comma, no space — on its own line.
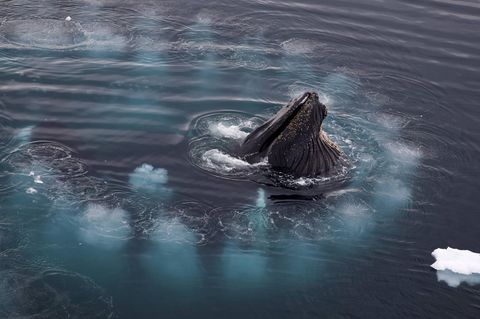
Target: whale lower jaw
(316,157)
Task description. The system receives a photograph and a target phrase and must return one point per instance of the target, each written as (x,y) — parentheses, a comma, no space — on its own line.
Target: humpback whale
(293,140)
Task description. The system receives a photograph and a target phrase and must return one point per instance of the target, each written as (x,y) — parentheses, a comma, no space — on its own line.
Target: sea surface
(121,195)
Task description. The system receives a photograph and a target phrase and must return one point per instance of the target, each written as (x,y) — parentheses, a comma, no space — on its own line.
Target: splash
(217,160)
(214,137)
(235,132)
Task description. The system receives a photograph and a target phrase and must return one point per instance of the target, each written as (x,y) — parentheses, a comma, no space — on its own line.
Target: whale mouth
(296,124)
(293,110)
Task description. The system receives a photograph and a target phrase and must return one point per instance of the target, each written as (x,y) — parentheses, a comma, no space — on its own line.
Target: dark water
(120,196)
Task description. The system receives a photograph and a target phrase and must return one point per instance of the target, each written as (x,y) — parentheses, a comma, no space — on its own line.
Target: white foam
(389,121)
(463,262)
(341,192)
(403,152)
(38,179)
(44,33)
(172,230)
(394,189)
(102,36)
(298,46)
(204,18)
(147,177)
(230,131)
(354,209)
(31,190)
(216,159)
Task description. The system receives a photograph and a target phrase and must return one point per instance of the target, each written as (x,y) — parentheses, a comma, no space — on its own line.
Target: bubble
(101,225)
(27,291)
(44,33)
(298,46)
(402,152)
(146,177)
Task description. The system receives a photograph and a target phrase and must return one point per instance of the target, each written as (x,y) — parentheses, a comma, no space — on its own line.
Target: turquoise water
(120,192)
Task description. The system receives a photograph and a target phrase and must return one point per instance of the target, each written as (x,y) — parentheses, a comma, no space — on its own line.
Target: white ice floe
(463,262)
(147,177)
(68,18)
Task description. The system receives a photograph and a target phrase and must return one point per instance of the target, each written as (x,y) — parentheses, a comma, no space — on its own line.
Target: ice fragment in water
(68,18)
(463,262)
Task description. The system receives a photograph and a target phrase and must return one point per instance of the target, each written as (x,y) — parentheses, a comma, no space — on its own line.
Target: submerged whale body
(293,140)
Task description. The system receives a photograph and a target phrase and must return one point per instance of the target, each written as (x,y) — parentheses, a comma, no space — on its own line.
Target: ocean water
(121,195)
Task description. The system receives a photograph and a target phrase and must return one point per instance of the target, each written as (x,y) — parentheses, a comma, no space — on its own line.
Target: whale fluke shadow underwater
(293,140)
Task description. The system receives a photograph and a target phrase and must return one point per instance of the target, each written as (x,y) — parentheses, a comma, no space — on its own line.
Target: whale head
(293,140)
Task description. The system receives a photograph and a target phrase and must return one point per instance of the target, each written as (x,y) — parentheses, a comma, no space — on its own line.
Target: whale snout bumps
(293,140)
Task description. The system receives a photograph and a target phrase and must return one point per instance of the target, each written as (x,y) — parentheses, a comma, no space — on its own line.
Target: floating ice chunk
(31,190)
(68,18)
(147,177)
(32,173)
(454,280)
(463,262)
